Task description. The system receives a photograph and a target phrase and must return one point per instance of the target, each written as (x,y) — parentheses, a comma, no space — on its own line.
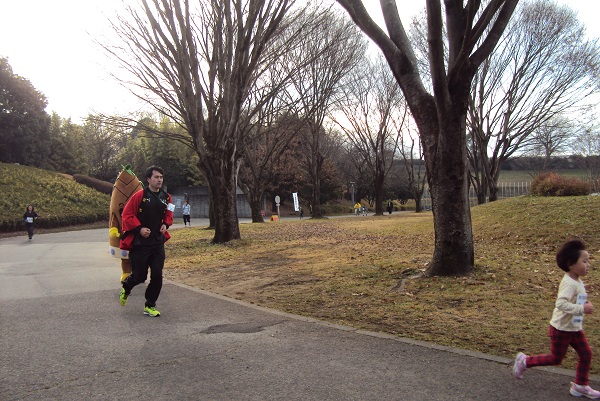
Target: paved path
(63,336)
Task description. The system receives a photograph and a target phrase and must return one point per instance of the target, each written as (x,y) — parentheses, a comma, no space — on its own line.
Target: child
(566,326)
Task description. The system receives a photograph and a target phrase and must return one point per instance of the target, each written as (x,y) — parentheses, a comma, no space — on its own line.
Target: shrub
(333,209)
(552,184)
(102,186)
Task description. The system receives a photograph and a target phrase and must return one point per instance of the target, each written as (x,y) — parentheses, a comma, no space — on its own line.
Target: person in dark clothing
(146,217)
(30,216)
(390,207)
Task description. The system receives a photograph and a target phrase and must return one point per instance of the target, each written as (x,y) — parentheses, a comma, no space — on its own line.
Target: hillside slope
(59,200)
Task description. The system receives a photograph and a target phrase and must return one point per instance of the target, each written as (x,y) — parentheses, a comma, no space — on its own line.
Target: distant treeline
(552,163)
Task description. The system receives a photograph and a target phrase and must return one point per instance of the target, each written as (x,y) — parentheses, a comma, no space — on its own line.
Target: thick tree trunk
(223,191)
(316,168)
(449,185)
(255,206)
(254,196)
(418,206)
(481,197)
(211,210)
(316,198)
(493,188)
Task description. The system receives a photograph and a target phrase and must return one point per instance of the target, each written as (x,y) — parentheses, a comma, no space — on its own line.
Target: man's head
(154,176)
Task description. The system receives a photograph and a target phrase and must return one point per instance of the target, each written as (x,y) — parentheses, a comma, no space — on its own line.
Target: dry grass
(360,272)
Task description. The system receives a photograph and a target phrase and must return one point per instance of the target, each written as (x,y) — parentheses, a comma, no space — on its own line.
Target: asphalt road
(64,336)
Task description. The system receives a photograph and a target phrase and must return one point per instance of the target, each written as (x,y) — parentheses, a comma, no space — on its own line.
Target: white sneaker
(520,365)
(584,391)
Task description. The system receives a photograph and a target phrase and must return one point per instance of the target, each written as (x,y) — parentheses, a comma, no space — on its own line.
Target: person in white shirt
(186,213)
(566,326)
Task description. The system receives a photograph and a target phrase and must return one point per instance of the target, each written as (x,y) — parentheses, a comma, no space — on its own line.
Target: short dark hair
(569,253)
(150,170)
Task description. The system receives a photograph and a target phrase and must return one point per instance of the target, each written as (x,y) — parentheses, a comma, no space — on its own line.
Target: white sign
(581,300)
(296,203)
(277,200)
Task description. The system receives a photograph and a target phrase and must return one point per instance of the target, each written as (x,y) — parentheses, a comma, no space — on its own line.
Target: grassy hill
(360,271)
(507,176)
(58,199)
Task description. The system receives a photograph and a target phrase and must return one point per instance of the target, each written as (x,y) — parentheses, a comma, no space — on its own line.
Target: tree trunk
(255,206)
(254,195)
(316,169)
(379,181)
(418,207)
(493,188)
(481,188)
(223,193)
(211,210)
(316,198)
(449,185)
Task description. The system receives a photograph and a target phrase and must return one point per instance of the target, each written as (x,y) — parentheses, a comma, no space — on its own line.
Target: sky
(52,43)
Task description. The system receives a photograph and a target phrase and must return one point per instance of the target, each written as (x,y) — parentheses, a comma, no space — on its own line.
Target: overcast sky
(51,43)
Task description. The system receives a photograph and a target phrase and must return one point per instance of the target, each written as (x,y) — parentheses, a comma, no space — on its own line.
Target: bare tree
(354,172)
(195,62)
(587,144)
(371,102)
(274,123)
(412,154)
(263,149)
(333,50)
(266,139)
(543,67)
(552,137)
(472,32)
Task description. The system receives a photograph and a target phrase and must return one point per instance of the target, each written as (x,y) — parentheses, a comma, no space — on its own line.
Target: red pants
(559,343)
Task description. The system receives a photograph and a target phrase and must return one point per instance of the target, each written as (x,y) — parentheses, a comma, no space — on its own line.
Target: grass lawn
(528,175)
(360,271)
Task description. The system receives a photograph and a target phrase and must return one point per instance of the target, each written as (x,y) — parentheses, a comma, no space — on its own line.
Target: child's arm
(563,301)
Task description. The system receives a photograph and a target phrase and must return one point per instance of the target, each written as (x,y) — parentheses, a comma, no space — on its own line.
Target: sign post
(277,202)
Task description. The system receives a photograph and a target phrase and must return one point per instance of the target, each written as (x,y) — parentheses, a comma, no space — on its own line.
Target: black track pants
(143,257)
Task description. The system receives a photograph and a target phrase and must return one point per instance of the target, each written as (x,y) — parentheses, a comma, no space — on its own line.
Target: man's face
(155,182)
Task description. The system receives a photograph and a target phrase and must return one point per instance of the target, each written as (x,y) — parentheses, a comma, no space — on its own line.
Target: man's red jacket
(131,221)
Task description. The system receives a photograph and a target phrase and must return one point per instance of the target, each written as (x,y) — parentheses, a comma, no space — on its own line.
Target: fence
(505,190)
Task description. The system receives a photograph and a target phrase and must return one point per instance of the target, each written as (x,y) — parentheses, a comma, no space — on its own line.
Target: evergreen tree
(24,125)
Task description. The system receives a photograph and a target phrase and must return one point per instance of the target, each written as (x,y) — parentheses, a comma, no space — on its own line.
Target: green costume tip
(127,168)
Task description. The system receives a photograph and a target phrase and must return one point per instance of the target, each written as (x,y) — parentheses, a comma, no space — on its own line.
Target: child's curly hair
(569,253)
